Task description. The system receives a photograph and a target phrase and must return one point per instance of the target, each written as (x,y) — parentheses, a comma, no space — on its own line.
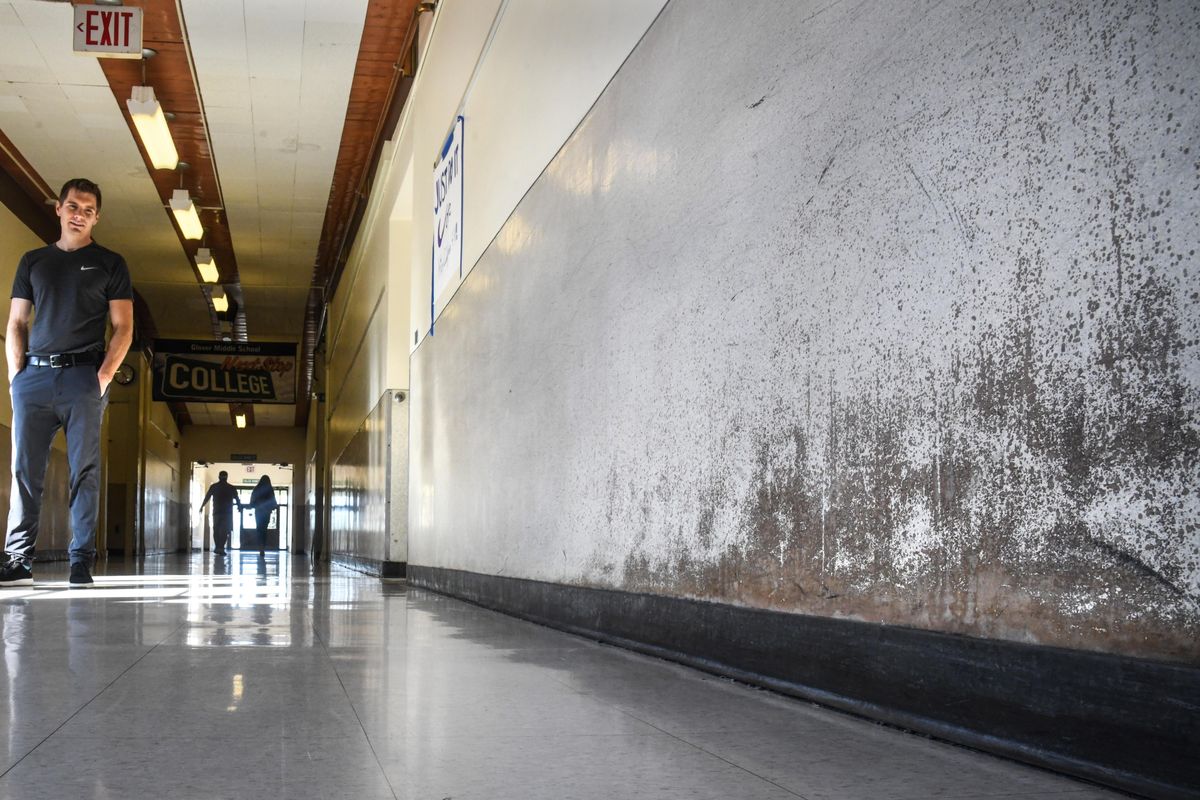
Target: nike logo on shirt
(84,269)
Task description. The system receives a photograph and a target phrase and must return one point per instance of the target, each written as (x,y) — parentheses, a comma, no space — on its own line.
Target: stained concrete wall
(885,312)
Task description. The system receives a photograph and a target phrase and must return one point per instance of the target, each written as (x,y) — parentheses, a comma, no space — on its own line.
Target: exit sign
(108,32)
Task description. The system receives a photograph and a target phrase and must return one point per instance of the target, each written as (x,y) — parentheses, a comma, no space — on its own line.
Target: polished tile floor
(193,678)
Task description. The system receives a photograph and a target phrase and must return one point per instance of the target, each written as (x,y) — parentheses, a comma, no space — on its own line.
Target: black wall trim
(388,570)
(1123,722)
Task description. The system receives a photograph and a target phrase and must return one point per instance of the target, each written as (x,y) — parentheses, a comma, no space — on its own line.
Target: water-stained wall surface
(874,311)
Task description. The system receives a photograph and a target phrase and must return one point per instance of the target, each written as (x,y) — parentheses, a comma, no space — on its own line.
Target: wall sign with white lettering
(448,214)
(230,372)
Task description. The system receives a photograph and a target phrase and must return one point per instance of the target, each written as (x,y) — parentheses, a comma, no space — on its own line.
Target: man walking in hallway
(59,373)
(224,497)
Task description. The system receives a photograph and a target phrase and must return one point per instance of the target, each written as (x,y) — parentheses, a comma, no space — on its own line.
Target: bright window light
(151,125)
(185,214)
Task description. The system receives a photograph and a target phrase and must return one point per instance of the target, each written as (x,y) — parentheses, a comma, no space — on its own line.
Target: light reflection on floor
(236,581)
(239,580)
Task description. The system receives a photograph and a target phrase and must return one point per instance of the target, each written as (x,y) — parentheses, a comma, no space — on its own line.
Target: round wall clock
(125,374)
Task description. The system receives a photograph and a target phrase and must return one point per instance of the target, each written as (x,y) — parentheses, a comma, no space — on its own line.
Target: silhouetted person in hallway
(224,497)
(262,500)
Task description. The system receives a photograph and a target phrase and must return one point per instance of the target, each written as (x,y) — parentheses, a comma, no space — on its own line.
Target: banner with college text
(224,372)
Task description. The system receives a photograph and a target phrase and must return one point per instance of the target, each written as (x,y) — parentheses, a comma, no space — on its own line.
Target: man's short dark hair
(222,475)
(80,185)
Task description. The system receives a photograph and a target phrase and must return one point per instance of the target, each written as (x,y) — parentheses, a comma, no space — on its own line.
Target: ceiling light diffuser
(151,125)
(207,266)
(185,214)
(219,300)
(239,420)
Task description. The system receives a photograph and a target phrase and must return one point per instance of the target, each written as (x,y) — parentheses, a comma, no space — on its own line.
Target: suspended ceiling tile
(321,38)
(208,413)
(273,416)
(51,35)
(20,59)
(271,220)
(40,92)
(227,93)
(296,79)
(88,98)
(334,11)
(274,311)
(223,20)
(226,116)
(282,89)
(307,220)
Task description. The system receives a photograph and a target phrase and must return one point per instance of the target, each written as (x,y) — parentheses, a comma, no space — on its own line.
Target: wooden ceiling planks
(170,73)
(385,34)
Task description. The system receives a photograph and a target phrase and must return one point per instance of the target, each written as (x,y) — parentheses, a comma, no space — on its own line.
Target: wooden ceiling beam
(172,75)
(382,80)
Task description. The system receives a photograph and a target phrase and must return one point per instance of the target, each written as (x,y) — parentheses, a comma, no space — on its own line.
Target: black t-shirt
(70,294)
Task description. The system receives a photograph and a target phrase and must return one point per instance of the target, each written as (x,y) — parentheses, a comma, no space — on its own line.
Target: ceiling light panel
(186,214)
(151,125)
(206,265)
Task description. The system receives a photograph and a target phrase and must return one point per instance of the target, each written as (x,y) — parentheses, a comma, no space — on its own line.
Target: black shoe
(80,577)
(16,573)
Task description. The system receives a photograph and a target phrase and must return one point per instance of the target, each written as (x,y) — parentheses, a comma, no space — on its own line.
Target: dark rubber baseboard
(388,570)
(1127,723)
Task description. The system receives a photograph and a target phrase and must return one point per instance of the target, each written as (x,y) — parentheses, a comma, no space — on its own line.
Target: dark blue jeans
(45,399)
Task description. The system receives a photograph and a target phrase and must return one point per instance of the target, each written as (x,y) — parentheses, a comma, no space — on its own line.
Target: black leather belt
(86,358)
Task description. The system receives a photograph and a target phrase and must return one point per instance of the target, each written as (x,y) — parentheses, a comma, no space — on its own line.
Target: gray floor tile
(182,769)
(567,768)
(184,682)
(845,764)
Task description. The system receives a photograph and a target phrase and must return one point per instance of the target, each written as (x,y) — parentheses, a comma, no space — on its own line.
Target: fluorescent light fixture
(219,300)
(151,125)
(185,214)
(239,420)
(207,265)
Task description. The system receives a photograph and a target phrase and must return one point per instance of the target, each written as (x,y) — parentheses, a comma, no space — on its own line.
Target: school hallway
(245,679)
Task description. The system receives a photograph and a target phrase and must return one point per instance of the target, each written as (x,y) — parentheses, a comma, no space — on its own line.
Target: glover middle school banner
(224,372)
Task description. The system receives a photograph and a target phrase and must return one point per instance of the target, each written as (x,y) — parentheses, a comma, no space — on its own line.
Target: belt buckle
(59,360)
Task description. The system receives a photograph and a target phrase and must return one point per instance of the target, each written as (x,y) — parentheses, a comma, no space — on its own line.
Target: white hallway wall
(522,73)
(884,316)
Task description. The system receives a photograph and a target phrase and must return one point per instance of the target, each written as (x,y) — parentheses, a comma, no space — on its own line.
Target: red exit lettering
(112,27)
